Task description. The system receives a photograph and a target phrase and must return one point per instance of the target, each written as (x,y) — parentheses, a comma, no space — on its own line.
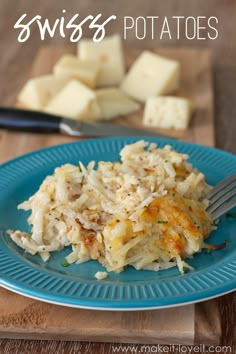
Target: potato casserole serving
(147,210)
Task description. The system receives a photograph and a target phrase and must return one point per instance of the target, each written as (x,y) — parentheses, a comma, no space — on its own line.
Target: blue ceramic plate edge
(11,285)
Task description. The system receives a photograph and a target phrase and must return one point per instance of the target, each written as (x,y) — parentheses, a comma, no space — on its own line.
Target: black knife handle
(29,121)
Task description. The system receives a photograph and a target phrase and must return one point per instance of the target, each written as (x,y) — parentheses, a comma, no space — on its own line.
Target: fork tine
(221,185)
(222,192)
(219,201)
(224,208)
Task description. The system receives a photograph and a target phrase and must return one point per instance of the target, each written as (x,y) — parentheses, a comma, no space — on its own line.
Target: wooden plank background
(25,318)
(147,326)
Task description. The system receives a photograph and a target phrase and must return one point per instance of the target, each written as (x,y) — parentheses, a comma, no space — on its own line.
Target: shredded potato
(147,211)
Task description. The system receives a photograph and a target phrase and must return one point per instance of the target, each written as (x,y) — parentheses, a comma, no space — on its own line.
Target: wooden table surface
(16,60)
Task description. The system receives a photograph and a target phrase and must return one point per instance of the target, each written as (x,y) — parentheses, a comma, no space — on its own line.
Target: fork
(222,197)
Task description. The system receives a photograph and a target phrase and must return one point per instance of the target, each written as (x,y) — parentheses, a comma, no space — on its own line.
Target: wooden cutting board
(196,84)
(21,317)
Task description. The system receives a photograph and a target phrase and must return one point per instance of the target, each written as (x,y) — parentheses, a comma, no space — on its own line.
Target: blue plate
(214,274)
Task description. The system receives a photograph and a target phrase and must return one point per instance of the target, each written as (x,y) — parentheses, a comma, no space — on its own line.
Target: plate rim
(113,308)
(87,141)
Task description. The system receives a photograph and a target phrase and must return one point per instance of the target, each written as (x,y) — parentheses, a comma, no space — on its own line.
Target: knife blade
(42,122)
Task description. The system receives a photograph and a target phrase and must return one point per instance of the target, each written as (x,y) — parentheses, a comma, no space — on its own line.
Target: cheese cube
(38,91)
(167,112)
(151,75)
(101,275)
(74,68)
(74,100)
(113,102)
(93,112)
(109,54)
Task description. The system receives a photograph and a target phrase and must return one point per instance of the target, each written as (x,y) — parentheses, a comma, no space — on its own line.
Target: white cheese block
(74,100)
(38,91)
(93,112)
(109,54)
(151,75)
(167,112)
(74,68)
(113,102)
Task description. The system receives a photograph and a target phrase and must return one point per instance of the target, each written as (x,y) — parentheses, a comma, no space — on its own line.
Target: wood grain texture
(15,66)
(31,319)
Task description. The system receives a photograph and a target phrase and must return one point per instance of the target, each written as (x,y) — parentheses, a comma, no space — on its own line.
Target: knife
(42,122)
